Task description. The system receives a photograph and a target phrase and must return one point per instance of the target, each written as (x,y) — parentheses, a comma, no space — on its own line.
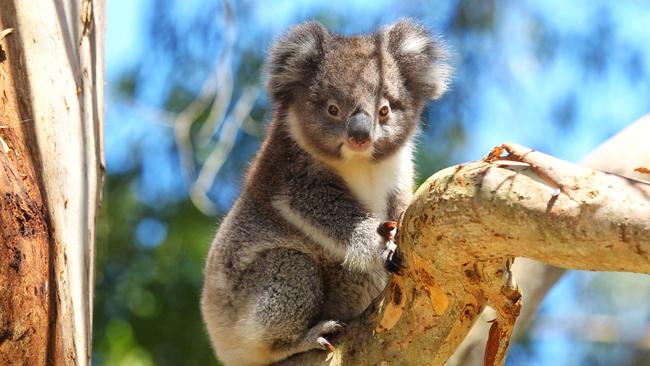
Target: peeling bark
(24,254)
(460,235)
(51,93)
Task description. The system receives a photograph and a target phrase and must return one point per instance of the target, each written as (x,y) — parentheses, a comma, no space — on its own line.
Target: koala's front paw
(392,259)
(390,256)
(387,230)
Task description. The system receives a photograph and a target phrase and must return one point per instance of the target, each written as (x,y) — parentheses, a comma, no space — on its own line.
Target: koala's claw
(318,333)
(325,344)
(392,259)
(331,327)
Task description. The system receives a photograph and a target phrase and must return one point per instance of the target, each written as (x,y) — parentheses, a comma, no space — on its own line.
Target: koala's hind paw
(317,334)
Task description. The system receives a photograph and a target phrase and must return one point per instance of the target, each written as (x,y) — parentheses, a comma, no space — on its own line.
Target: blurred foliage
(524,71)
(146,302)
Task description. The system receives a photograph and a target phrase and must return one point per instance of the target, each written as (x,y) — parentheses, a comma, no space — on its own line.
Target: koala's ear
(421,57)
(295,58)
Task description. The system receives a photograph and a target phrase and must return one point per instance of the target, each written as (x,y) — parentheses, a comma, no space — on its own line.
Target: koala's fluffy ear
(420,56)
(295,58)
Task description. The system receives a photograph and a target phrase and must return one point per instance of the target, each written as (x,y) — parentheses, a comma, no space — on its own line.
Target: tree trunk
(460,235)
(51,167)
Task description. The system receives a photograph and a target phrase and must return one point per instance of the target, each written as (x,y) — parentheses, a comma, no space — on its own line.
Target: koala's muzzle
(359,130)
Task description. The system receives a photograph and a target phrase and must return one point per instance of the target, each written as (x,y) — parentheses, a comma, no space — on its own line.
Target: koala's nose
(359,128)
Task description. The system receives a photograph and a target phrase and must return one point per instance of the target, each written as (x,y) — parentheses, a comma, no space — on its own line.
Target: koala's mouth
(358,146)
(357,150)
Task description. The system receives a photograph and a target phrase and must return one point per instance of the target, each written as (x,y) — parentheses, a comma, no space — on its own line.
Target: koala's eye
(384,111)
(333,110)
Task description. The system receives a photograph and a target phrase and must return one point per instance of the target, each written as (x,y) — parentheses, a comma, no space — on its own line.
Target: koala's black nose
(359,128)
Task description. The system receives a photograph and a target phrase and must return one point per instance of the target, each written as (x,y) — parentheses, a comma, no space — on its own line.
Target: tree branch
(458,238)
(621,154)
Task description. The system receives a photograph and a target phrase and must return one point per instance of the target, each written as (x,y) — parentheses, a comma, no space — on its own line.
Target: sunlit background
(186,111)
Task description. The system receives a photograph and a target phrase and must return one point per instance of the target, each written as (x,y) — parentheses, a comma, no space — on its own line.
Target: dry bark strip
(24,243)
(459,236)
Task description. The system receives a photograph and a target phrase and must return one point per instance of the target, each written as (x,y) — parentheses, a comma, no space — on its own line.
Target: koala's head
(355,96)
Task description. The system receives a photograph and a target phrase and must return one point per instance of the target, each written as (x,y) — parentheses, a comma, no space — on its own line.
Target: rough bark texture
(622,154)
(24,235)
(460,235)
(51,92)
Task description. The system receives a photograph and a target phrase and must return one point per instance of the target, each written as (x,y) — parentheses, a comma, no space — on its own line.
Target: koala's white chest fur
(372,182)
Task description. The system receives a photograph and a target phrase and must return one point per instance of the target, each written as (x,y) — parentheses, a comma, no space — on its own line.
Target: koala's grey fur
(299,252)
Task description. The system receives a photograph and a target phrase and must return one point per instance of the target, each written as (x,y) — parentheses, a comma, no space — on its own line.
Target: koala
(300,253)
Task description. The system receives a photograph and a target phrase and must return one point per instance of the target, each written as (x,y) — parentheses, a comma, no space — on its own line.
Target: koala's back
(246,255)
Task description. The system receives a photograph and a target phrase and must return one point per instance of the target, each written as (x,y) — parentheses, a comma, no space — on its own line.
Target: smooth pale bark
(51,167)
(622,154)
(459,237)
